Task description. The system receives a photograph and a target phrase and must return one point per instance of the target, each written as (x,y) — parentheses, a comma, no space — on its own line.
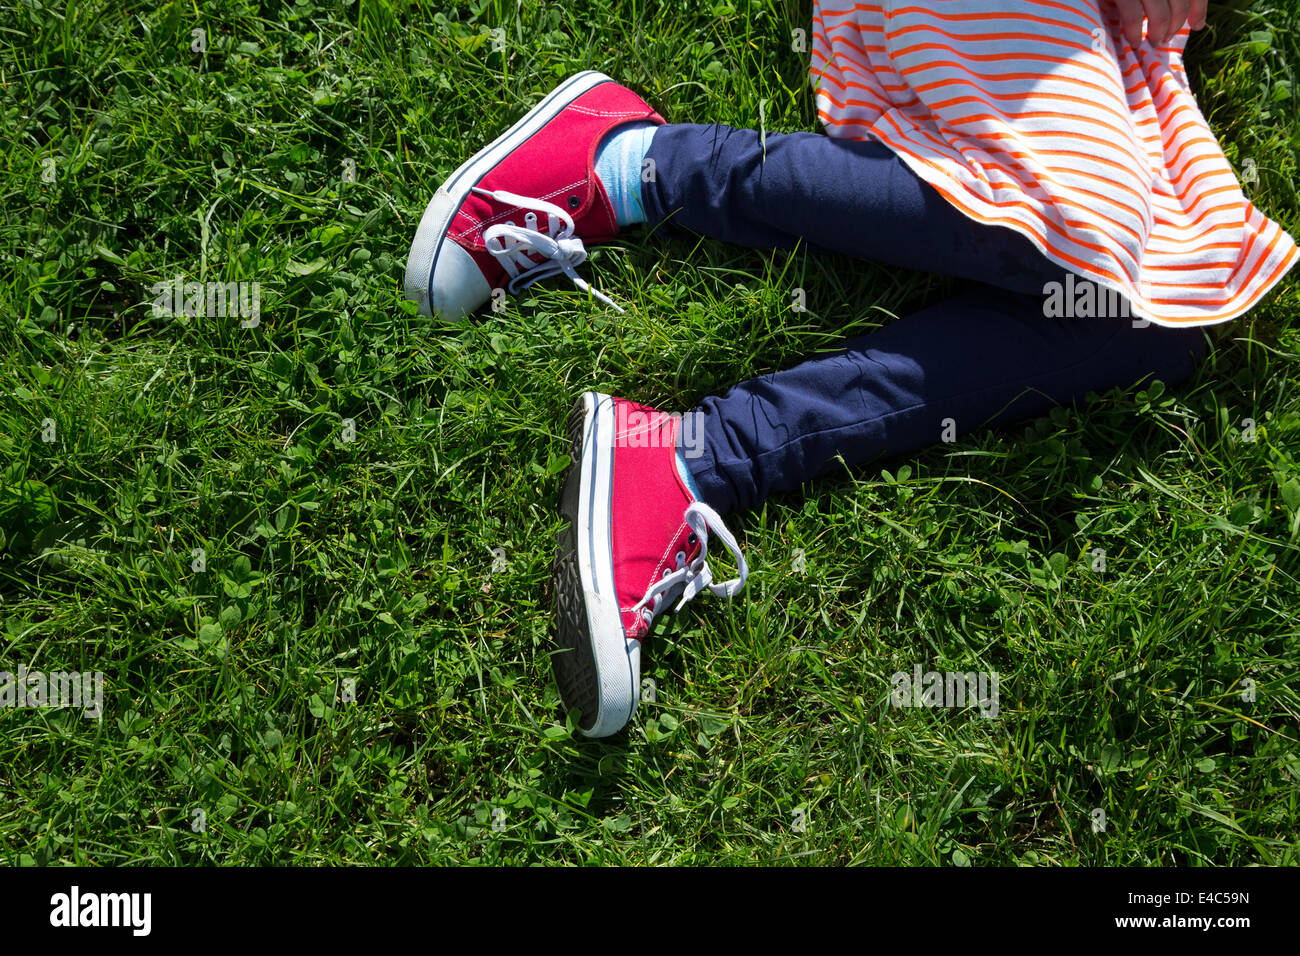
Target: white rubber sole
(617,658)
(431,235)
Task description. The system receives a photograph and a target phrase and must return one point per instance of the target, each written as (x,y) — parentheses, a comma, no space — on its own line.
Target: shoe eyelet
(693,538)
(575,202)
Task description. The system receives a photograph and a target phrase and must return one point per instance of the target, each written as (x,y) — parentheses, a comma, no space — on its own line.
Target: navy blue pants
(989,356)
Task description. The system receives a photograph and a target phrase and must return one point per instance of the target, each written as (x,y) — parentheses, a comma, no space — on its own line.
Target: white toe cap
(456,287)
(458,284)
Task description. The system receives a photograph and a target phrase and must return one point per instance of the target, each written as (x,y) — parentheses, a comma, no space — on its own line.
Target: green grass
(368,564)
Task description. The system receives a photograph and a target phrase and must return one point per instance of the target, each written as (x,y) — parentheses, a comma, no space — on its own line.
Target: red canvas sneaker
(637,540)
(484,227)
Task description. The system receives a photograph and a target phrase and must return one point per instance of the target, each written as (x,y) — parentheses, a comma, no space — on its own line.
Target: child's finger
(1130,15)
(1179,13)
(1197,16)
(1157,20)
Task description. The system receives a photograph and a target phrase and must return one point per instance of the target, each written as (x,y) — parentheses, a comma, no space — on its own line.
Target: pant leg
(847,196)
(986,357)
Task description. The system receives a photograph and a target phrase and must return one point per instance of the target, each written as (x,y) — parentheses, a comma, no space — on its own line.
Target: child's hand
(1164,18)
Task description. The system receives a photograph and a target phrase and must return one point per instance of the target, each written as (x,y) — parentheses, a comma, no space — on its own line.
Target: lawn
(309,549)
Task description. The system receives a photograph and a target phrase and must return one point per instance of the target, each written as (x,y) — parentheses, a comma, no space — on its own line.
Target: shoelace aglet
(587,287)
(695,586)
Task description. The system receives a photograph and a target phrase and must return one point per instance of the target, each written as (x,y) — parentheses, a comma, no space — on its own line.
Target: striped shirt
(1039,116)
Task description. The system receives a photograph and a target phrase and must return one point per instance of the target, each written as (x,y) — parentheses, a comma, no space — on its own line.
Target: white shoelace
(561,249)
(694,577)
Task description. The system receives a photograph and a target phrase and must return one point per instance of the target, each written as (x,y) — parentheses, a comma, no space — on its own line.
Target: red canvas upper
(555,164)
(648,507)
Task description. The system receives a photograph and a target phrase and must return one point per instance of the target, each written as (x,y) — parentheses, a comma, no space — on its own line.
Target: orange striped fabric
(1039,116)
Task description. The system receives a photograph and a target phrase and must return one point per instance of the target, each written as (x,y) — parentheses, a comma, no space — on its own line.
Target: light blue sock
(618,166)
(687,477)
